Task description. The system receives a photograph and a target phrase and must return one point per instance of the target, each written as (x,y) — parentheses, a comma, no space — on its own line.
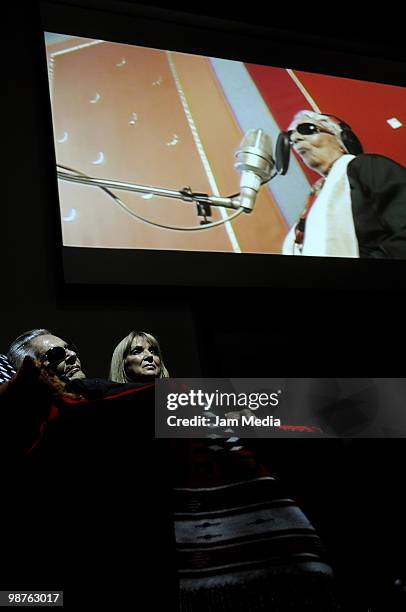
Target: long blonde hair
(117,367)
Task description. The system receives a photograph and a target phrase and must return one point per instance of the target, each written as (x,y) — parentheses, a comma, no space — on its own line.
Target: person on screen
(357,208)
(137,358)
(54,354)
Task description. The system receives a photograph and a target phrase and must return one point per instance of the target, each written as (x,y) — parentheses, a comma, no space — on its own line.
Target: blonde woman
(137,358)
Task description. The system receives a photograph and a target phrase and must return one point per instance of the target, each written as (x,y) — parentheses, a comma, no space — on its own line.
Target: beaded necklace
(301,224)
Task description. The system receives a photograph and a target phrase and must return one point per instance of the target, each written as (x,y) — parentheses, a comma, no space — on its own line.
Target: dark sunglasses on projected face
(56,354)
(307,129)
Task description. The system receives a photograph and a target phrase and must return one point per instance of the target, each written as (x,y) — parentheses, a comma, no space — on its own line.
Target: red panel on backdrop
(282,97)
(366,107)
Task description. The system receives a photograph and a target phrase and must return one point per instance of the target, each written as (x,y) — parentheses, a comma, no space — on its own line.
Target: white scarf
(330,230)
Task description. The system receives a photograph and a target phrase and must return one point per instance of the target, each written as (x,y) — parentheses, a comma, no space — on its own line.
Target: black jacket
(378,195)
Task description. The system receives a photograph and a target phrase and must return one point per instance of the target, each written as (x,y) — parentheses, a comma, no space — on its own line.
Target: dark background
(351,490)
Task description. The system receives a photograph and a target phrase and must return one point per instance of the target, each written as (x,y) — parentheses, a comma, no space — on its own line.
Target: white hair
(326,121)
(22,346)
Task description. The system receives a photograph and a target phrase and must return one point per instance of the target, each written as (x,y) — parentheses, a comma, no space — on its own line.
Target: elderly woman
(358,206)
(137,358)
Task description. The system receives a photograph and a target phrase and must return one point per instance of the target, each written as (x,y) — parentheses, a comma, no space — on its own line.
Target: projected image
(170,151)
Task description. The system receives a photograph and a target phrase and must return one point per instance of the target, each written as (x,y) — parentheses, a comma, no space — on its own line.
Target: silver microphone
(255,162)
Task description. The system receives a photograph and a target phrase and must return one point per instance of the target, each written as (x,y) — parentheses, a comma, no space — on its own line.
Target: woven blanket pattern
(242,544)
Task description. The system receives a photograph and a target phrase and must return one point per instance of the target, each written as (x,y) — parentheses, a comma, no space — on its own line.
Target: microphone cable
(128,210)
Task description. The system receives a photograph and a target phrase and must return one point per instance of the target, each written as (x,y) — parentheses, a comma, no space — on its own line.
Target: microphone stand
(185,194)
(254,161)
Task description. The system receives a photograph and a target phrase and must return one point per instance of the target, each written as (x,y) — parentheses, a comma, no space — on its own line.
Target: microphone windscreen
(282,153)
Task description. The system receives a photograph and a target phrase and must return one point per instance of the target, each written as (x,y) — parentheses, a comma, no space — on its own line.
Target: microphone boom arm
(186,194)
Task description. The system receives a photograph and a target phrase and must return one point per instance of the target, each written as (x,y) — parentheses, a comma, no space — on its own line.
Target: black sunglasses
(306,129)
(56,354)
